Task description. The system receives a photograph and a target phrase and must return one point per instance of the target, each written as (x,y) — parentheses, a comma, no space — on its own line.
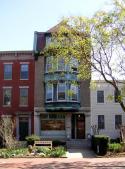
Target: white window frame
(46,92)
(76,88)
(7,87)
(24,63)
(23,87)
(58,91)
(47,63)
(11,70)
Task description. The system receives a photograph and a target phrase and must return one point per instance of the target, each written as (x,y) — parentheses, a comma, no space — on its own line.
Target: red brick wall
(15,83)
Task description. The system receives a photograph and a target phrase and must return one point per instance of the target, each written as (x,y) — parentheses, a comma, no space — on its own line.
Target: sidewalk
(80,153)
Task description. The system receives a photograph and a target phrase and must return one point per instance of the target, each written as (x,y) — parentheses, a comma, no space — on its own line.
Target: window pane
(8,71)
(24,96)
(116,95)
(74,92)
(100,96)
(49,92)
(61,64)
(49,61)
(101,122)
(7,97)
(24,71)
(118,121)
(61,91)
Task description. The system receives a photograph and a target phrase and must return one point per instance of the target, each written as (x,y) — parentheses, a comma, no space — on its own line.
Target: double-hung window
(7,94)
(118,121)
(7,71)
(100,96)
(61,91)
(49,63)
(101,122)
(24,72)
(49,92)
(61,64)
(117,95)
(74,92)
(24,96)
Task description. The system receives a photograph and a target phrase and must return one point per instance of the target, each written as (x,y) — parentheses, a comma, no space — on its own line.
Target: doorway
(78,126)
(23,128)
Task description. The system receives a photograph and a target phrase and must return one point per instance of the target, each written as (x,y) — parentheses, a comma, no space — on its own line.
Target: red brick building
(17,90)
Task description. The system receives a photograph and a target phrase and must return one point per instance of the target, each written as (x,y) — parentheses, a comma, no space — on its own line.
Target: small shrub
(44,150)
(99,144)
(30,139)
(117,140)
(7,153)
(115,147)
(58,152)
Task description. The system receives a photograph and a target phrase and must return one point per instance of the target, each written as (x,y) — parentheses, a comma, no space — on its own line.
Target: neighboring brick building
(106,114)
(56,115)
(17,89)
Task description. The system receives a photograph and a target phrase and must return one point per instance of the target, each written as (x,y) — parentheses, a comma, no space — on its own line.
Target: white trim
(7,63)
(23,86)
(8,87)
(24,63)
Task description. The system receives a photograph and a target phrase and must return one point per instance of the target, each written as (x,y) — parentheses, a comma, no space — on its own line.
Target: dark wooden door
(80,126)
(23,128)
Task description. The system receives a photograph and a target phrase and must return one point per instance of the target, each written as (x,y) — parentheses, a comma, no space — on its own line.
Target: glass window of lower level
(53,122)
(101,122)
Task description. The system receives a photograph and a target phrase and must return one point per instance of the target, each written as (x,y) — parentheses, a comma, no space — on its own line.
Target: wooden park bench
(43,144)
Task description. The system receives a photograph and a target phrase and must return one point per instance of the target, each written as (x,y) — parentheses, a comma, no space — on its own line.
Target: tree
(6,131)
(97,43)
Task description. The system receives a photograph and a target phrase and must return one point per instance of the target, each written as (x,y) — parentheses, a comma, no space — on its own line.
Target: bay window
(61,91)
(49,92)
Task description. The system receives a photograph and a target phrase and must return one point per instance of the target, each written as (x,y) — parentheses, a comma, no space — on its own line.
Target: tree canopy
(98,44)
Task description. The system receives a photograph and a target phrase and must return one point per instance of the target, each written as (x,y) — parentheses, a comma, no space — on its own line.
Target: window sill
(24,79)
(6,105)
(23,105)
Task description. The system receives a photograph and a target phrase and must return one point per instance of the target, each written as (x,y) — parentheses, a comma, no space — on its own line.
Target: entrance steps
(78,143)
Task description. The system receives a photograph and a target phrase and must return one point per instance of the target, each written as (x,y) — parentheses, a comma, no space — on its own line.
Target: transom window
(24,73)
(7,93)
(23,96)
(100,96)
(101,122)
(7,71)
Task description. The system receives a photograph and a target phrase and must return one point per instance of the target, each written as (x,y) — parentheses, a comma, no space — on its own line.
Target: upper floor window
(7,92)
(7,71)
(49,63)
(74,92)
(61,91)
(48,40)
(23,96)
(61,64)
(117,95)
(74,64)
(24,73)
(101,122)
(118,121)
(49,92)
(100,96)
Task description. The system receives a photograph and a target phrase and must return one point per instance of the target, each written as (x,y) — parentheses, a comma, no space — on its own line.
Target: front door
(23,128)
(78,126)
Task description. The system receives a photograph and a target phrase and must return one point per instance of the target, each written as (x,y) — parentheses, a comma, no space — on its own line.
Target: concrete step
(74,143)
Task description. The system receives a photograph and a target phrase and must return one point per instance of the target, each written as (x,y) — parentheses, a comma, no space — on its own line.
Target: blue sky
(20,18)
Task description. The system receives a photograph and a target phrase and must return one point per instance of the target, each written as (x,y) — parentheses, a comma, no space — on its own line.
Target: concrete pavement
(63,163)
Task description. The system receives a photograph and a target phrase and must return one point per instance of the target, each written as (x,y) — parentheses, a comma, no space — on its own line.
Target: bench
(43,144)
